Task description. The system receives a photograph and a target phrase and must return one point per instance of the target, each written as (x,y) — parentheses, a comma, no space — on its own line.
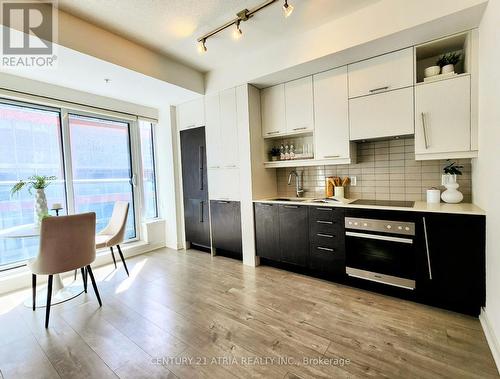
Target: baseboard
(489,332)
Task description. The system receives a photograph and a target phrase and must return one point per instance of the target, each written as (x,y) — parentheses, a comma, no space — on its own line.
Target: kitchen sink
(294,199)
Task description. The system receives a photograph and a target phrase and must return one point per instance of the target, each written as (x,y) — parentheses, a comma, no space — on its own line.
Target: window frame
(135,153)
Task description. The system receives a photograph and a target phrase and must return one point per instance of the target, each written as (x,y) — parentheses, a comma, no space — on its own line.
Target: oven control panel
(384,226)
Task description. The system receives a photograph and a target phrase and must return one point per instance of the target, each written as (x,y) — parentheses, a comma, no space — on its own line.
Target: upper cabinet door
(229,128)
(384,73)
(383,115)
(213,131)
(331,115)
(442,116)
(191,114)
(299,105)
(272,101)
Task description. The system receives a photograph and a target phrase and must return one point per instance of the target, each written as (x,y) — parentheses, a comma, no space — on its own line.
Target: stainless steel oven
(381,251)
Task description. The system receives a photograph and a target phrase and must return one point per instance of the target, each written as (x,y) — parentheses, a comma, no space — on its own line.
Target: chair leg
(84,278)
(49,299)
(123,259)
(113,255)
(33,287)
(91,274)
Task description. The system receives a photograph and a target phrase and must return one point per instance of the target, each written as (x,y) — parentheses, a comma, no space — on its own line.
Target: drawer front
(323,213)
(327,260)
(327,239)
(325,226)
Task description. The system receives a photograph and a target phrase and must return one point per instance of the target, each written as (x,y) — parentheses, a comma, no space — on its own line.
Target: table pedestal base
(60,293)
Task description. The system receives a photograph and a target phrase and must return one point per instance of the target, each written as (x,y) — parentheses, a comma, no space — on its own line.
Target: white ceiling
(173,26)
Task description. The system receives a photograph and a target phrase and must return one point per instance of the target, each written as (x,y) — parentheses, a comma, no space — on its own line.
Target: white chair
(66,243)
(114,233)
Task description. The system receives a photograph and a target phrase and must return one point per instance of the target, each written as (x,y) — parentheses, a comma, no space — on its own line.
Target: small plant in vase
(448,61)
(37,183)
(449,180)
(275,154)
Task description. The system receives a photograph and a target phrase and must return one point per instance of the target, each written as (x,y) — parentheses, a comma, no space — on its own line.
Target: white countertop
(419,206)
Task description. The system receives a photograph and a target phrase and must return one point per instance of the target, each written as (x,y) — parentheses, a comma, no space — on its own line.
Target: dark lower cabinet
(294,234)
(226,227)
(197,222)
(451,262)
(267,232)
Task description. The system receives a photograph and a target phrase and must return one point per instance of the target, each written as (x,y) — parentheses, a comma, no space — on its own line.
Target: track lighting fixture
(243,15)
(202,48)
(237,32)
(287,8)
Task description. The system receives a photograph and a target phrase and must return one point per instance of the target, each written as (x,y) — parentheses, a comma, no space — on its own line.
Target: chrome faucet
(298,186)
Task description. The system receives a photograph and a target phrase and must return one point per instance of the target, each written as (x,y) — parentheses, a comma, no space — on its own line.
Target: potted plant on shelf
(447,62)
(449,180)
(37,183)
(275,154)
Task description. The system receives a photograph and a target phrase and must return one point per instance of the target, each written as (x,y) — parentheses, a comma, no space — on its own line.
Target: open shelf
(427,54)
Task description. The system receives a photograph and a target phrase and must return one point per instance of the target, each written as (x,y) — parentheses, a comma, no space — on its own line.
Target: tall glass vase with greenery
(37,183)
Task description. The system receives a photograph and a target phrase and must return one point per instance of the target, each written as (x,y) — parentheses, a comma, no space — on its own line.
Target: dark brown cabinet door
(226,226)
(294,234)
(195,188)
(267,231)
(451,262)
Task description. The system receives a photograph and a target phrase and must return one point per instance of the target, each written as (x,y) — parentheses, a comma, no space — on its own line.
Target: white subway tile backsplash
(386,170)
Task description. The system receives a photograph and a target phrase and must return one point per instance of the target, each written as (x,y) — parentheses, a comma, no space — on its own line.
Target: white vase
(447,69)
(41,209)
(451,195)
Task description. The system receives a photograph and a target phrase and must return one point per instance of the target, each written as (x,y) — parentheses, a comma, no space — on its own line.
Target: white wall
(486,168)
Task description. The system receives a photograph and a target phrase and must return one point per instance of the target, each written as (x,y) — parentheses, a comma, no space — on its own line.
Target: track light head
(287,8)
(237,32)
(202,48)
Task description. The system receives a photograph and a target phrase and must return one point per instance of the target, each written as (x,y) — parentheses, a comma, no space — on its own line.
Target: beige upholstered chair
(66,243)
(114,233)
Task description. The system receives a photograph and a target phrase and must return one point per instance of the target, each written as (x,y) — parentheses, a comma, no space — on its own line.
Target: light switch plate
(354,181)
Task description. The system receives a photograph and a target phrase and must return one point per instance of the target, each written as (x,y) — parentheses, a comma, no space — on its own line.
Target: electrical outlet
(354,181)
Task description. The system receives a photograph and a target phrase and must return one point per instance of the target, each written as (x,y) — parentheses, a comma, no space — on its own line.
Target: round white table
(60,292)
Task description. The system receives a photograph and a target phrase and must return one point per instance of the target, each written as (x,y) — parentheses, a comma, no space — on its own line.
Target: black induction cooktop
(385,203)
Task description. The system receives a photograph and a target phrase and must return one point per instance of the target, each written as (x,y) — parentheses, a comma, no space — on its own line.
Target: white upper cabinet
(384,73)
(299,105)
(191,114)
(331,115)
(213,131)
(383,115)
(229,128)
(272,101)
(224,184)
(443,119)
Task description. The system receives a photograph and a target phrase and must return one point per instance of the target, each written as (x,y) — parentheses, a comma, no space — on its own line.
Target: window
(30,143)
(102,172)
(99,163)
(148,169)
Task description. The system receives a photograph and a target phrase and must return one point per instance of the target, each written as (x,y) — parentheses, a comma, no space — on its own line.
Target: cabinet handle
(200,157)
(324,209)
(302,128)
(291,206)
(275,132)
(331,156)
(222,202)
(190,126)
(424,128)
(230,166)
(325,249)
(266,204)
(201,211)
(379,89)
(324,222)
(214,167)
(324,235)
(427,249)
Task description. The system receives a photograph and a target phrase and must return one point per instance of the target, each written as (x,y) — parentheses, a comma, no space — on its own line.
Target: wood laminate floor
(188,315)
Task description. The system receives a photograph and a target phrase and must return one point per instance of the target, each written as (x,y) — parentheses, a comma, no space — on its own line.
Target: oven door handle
(379,237)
